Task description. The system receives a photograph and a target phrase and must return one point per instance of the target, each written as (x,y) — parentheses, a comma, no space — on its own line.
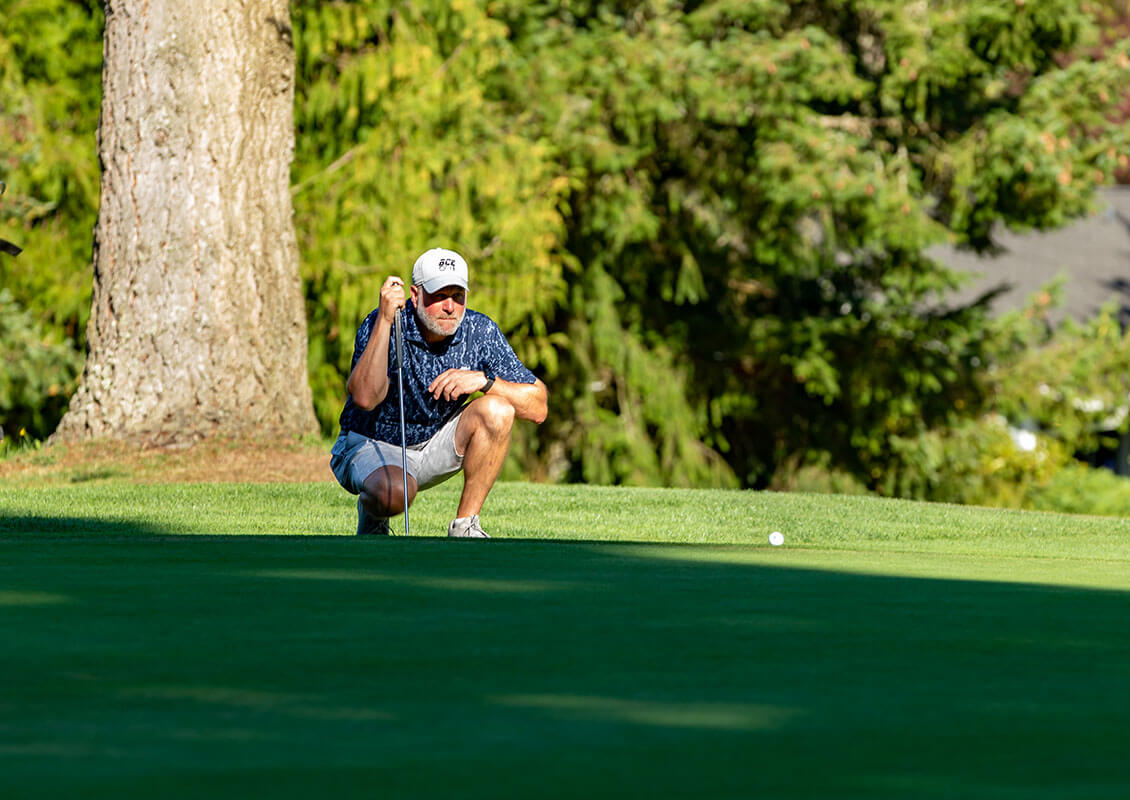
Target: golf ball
(776,539)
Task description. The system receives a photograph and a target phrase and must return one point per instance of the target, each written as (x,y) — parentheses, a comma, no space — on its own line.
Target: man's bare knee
(383,495)
(495,414)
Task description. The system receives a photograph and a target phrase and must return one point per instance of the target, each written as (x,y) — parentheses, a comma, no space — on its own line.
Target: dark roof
(1092,253)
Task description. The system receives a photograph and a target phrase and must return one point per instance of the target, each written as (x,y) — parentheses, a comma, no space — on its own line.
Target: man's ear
(414,292)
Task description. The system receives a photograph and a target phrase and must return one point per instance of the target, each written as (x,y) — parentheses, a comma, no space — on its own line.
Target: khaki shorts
(354,458)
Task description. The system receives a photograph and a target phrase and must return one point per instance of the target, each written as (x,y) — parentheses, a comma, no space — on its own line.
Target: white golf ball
(776,539)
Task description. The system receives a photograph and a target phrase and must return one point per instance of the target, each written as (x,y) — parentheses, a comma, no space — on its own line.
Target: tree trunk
(197,325)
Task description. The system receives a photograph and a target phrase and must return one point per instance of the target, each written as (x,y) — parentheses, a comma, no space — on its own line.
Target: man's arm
(530,400)
(368,382)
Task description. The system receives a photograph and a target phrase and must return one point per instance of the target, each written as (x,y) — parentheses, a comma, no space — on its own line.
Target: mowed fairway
(213,641)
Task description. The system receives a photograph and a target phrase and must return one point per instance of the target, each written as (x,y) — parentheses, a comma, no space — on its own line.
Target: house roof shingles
(1092,253)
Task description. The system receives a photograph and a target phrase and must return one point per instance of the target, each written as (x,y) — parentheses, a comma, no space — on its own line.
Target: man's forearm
(368,383)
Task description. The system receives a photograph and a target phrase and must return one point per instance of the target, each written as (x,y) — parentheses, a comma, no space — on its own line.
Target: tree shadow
(521,668)
(19,526)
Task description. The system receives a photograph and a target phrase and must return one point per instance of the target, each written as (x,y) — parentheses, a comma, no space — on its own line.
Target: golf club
(400,395)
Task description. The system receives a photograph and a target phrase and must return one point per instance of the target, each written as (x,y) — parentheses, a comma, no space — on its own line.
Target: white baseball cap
(438,268)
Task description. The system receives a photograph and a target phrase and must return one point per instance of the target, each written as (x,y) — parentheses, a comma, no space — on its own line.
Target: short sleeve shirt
(478,344)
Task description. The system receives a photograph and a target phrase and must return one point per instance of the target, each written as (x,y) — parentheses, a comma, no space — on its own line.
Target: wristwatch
(490,379)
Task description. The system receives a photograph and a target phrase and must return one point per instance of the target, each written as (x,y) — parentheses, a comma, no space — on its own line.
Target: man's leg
(483,437)
(383,492)
(365,468)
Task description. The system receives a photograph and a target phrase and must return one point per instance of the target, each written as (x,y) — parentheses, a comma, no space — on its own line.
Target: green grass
(219,640)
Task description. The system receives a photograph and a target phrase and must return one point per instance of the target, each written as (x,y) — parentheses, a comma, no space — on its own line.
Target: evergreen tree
(754,185)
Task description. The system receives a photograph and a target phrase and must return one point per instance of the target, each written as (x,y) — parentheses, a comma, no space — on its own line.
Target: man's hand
(392,298)
(528,399)
(455,383)
(368,382)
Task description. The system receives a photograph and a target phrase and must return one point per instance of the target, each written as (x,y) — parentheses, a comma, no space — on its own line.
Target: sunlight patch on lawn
(11,598)
(1086,573)
(298,706)
(707,716)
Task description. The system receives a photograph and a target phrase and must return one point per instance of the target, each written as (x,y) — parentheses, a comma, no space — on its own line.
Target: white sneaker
(467,527)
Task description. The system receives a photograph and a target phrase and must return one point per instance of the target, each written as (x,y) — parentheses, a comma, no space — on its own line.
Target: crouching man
(450,354)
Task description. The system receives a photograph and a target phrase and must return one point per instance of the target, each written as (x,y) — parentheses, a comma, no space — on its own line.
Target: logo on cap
(438,268)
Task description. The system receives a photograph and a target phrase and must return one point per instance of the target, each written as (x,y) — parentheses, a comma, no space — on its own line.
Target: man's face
(440,313)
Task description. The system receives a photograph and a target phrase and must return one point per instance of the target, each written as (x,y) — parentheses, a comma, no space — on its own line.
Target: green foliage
(976,461)
(1079,489)
(631,420)
(753,185)
(816,478)
(1072,383)
(400,148)
(39,373)
(50,78)
(1069,386)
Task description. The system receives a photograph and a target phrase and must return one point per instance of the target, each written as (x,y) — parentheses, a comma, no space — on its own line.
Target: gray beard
(428,324)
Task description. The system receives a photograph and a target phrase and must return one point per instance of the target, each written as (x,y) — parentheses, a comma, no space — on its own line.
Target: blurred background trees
(50,70)
(703,224)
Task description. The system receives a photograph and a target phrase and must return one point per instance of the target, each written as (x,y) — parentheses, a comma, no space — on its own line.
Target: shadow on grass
(189,665)
(14,527)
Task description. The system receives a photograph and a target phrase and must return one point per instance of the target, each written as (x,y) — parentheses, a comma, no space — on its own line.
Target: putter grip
(398,325)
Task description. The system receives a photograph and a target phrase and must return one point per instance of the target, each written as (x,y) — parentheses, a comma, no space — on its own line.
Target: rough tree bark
(197,324)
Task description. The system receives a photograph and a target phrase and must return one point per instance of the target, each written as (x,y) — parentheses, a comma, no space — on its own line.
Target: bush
(1079,489)
(39,372)
(976,462)
(1072,383)
(817,477)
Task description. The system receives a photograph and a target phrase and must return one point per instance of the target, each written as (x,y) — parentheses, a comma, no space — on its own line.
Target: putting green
(143,664)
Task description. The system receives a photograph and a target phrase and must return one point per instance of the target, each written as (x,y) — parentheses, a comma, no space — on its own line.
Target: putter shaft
(400,395)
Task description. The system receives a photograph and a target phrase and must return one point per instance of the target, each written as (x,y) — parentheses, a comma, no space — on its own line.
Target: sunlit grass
(580,513)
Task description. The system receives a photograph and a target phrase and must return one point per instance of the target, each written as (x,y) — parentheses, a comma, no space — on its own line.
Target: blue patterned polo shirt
(477,344)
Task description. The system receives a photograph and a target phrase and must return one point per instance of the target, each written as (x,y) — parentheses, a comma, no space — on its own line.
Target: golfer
(451,353)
